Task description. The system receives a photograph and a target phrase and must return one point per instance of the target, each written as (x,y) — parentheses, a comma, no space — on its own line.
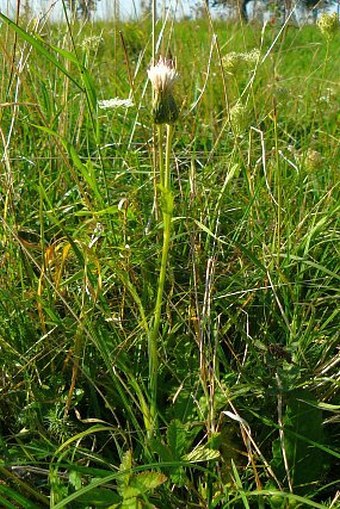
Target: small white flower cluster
(328,24)
(329,96)
(313,159)
(234,61)
(110,104)
(92,42)
(163,75)
(239,117)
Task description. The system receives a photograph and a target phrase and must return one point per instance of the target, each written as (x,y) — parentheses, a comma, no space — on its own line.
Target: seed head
(163,75)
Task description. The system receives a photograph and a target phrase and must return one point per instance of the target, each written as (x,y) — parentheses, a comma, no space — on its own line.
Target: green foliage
(302,436)
(134,488)
(247,344)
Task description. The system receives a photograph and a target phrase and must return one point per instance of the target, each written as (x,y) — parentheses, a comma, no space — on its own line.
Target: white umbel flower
(328,24)
(163,75)
(109,104)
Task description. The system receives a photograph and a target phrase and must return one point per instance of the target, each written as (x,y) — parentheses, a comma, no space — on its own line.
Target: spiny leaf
(146,481)
(177,438)
(201,453)
(125,468)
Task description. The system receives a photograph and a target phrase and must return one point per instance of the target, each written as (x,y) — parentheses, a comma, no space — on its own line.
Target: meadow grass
(247,394)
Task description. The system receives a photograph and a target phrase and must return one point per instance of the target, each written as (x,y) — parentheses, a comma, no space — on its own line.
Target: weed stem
(167,208)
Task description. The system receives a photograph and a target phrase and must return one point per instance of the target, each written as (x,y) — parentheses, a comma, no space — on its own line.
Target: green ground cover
(245,409)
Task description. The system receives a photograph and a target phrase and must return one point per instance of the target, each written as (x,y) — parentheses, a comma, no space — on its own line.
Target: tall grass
(247,379)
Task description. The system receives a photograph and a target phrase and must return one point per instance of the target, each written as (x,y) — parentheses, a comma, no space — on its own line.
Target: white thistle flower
(107,104)
(163,76)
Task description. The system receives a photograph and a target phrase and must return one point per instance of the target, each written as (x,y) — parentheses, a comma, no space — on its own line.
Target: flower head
(239,117)
(232,62)
(313,159)
(163,76)
(92,43)
(107,104)
(328,24)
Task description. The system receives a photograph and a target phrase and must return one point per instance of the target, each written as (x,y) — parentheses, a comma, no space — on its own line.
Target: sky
(127,8)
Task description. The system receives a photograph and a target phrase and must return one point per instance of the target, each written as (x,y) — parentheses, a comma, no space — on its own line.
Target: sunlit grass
(247,340)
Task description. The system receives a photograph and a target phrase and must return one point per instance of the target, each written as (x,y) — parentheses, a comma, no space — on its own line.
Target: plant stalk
(167,208)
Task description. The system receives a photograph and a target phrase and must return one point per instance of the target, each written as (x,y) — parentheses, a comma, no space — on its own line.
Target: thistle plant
(162,76)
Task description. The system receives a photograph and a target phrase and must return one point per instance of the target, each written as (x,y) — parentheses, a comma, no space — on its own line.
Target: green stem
(167,216)
(278,187)
(160,154)
(169,133)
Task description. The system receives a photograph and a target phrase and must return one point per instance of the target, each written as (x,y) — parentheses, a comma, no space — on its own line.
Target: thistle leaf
(201,453)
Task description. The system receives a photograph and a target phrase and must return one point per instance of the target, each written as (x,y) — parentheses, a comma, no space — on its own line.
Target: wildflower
(234,61)
(106,104)
(239,117)
(277,91)
(163,76)
(328,24)
(252,57)
(92,42)
(329,96)
(313,159)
